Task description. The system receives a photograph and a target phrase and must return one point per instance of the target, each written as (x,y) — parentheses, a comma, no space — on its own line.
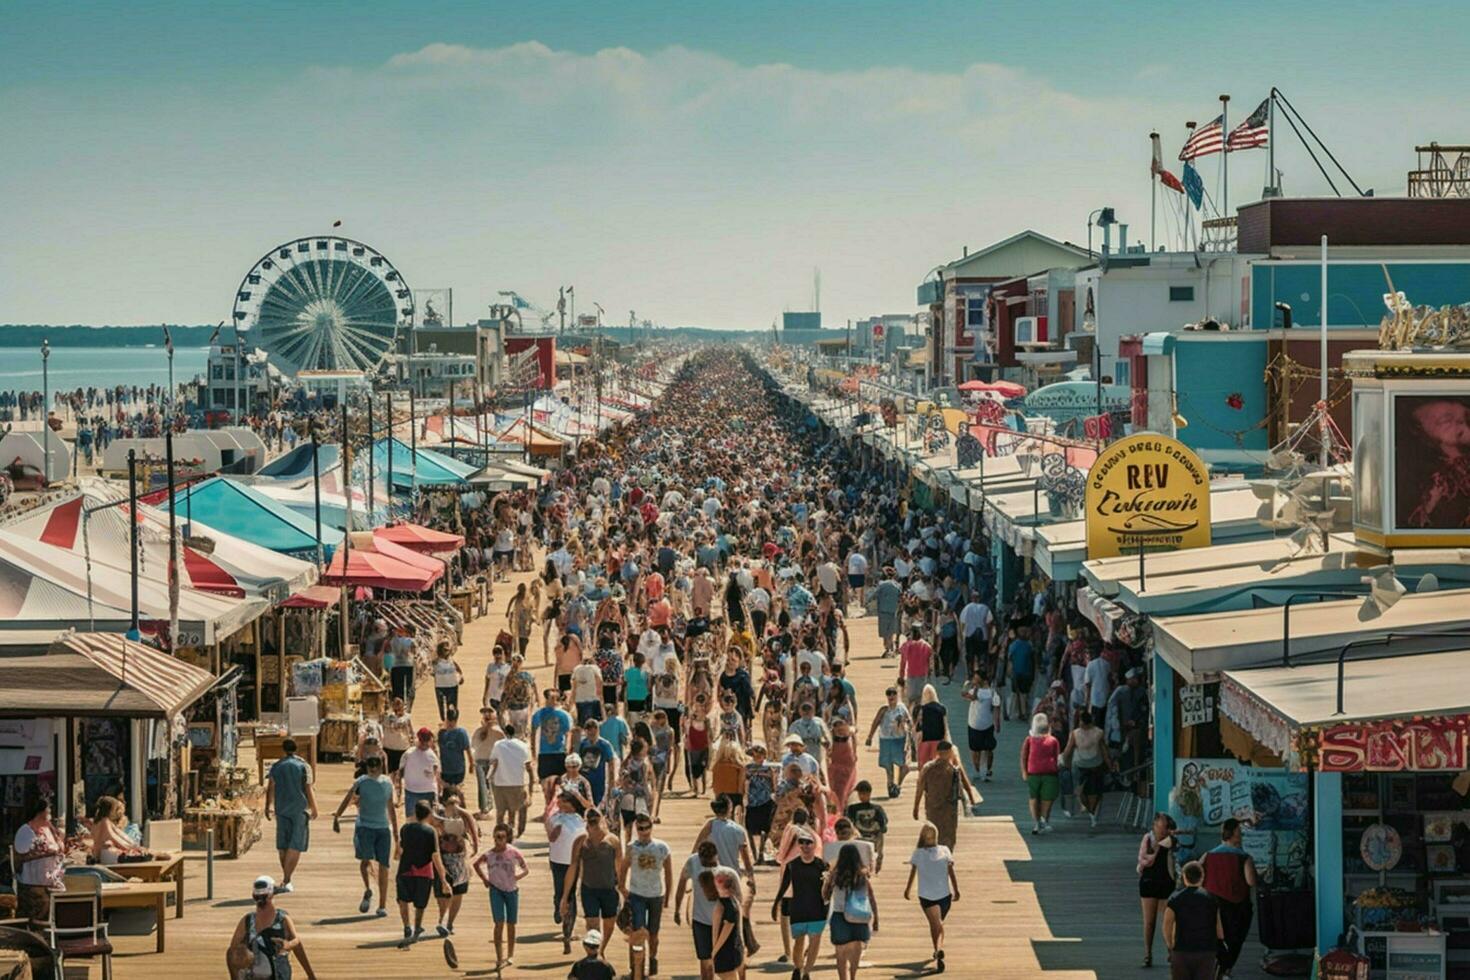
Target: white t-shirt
(982,709)
(33,872)
(661,658)
(446,674)
(1100,677)
(417,766)
(857,564)
(827,576)
(759,599)
(587,683)
(511,756)
(572,826)
(832,848)
(495,673)
(975,616)
(933,864)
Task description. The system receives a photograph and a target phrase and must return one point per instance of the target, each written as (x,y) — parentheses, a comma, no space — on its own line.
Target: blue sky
(693,162)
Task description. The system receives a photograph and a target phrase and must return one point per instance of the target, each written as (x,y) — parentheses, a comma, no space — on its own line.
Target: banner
(1147,491)
(1273,802)
(1401,745)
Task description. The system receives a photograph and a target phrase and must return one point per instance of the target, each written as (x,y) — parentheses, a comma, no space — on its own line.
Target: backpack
(857,907)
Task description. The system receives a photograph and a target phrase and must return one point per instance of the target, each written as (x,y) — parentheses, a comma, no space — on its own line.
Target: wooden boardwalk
(1063,906)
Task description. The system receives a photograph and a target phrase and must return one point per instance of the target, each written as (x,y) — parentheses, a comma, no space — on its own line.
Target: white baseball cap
(592,938)
(264,885)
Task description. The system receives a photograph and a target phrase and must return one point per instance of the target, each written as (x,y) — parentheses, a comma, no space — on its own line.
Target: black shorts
(674,715)
(548,765)
(942,903)
(415,891)
(609,694)
(463,888)
(758,818)
(637,704)
(563,683)
(704,941)
(982,739)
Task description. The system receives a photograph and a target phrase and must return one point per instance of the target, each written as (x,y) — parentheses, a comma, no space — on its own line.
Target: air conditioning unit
(1031,332)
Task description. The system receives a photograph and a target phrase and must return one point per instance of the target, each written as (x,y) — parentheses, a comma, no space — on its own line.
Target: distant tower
(816,290)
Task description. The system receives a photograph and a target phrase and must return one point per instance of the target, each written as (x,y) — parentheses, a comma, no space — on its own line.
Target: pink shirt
(1041,755)
(501,867)
(915,655)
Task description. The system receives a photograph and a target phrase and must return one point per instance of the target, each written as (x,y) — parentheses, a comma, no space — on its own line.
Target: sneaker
(442,931)
(382,912)
(796,974)
(418,933)
(652,965)
(1035,829)
(407,938)
(1067,813)
(783,958)
(988,774)
(366,903)
(1047,828)
(1092,819)
(285,888)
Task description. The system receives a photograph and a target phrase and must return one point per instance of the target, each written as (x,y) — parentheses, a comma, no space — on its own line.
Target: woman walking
(501,868)
(1155,877)
(1040,757)
(729,958)
(933,726)
(852,910)
(458,837)
(842,763)
(932,866)
(942,784)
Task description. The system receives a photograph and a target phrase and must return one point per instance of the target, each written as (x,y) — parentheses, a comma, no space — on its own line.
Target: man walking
(511,779)
(1229,875)
(455,759)
(1192,928)
(289,790)
(418,772)
(377,828)
(646,878)
(420,870)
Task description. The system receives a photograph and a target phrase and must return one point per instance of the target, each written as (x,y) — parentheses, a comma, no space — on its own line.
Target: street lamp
(45,412)
(1105,218)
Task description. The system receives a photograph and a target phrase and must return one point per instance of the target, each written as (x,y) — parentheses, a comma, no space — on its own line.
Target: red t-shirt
(916,654)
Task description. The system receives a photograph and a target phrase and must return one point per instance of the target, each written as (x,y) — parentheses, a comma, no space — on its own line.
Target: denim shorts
(504,906)
(648,911)
(293,832)
(844,932)
(372,844)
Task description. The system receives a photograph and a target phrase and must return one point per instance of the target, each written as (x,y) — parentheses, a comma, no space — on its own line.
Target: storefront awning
(1202,646)
(1274,704)
(98,674)
(416,537)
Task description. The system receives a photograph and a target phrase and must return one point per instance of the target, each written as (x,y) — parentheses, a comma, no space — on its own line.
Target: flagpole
(1225,154)
(1188,217)
(1271,142)
(1153,198)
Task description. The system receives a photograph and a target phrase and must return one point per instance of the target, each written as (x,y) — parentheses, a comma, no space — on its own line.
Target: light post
(45,412)
(316,486)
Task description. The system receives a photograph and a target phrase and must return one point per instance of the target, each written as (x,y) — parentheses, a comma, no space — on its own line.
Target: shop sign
(1147,491)
(1400,745)
(1196,705)
(1067,400)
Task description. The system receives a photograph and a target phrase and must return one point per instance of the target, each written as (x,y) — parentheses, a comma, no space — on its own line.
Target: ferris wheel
(323,303)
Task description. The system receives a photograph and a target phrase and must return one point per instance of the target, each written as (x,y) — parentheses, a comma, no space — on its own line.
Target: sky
(692,162)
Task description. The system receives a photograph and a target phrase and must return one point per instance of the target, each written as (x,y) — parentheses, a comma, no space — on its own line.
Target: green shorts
(1044,787)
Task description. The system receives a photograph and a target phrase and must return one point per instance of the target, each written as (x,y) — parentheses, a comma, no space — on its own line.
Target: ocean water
(103,367)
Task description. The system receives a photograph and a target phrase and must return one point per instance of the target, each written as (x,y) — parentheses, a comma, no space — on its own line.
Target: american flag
(1252,132)
(1209,138)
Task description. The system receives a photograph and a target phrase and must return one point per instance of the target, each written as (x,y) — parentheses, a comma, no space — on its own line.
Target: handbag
(857,908)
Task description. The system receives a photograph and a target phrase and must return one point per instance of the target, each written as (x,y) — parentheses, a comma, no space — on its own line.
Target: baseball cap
(425,733)
(264,885)
(592,938)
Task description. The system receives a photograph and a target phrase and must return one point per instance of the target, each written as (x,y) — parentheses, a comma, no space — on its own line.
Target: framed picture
(1431,492)
(1440,859)
(1400,794)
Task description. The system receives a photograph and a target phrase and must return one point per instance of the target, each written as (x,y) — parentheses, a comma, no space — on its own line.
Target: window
(975,313)
(1121,372)
(1181,294)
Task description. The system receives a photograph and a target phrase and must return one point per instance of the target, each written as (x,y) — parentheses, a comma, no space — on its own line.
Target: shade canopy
(1007,389)
(416,537)
(419,467)
(99,674)
(245,512)
(296,464)
(314,597)
(381,564)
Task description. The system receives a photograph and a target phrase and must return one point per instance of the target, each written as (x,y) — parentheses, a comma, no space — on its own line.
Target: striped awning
(99,674)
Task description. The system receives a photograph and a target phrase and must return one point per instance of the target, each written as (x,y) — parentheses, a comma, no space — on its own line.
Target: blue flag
(1193,186)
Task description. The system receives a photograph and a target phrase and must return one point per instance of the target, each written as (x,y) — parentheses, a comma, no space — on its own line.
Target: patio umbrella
(416,537)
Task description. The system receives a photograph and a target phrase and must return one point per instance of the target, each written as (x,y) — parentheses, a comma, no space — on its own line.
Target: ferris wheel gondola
(323,303)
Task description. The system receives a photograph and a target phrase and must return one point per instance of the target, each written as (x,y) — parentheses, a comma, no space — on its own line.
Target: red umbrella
(1006,389)
(416,537)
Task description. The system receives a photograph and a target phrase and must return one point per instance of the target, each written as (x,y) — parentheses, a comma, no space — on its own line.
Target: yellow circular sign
(1147,491)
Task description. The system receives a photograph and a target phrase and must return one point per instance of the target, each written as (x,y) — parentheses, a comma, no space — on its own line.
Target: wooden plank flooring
(1062,906)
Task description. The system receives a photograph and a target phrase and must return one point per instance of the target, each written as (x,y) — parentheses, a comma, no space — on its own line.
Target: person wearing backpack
(852,910)
(264,938)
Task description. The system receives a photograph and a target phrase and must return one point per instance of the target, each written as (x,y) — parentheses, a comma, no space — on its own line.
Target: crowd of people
(695,572)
